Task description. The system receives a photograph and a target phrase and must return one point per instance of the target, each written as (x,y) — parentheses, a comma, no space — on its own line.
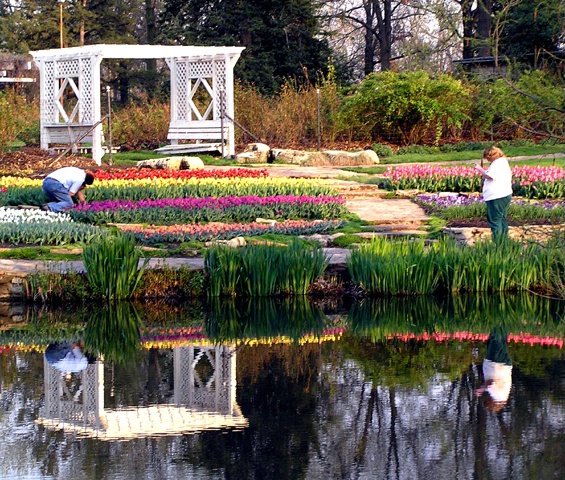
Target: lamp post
(61,22)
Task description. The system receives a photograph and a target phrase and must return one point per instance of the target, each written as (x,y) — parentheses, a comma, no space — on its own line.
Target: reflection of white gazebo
(198,404)
(201,92)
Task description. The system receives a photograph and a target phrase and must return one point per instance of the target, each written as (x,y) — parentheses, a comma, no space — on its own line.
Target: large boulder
(336,158)
(254,153)
(172,163)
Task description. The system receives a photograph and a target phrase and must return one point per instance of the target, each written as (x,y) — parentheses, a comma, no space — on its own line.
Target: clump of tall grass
(291,116)
(488,267)
(263,270)
(406,267)
(383,267)
(112,267)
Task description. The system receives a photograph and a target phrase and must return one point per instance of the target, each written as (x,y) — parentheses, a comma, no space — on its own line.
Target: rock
(172,163)
(339,158)
(325,157)
(192,163)
(267,221)
(297,157)
(234,242)
(254,153)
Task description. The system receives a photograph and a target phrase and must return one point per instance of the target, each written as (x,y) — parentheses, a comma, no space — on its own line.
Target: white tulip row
(13,215)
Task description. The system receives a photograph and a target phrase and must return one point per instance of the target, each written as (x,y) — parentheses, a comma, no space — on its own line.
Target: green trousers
(496,217)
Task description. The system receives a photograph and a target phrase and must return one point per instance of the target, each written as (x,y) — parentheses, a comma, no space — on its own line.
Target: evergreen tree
(533,27)
(279,36)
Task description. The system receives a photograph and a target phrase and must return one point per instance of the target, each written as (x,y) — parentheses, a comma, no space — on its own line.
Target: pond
(384,389)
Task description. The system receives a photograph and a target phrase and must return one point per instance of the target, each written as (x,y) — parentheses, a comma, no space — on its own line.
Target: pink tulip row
(524,175)
(524,338)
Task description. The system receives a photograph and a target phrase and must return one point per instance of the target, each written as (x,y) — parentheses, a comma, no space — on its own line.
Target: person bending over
(62,185)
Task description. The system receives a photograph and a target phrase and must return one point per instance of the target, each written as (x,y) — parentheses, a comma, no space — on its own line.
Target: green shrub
(411,107)
(383,150)
(417,150)
(17,115)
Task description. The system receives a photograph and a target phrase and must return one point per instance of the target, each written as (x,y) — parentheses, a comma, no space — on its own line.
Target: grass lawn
(130,159)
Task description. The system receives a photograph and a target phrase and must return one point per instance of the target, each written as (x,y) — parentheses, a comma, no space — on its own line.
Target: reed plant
(112,266)
(386,267)
(301,267)
(222,266)
(263,270)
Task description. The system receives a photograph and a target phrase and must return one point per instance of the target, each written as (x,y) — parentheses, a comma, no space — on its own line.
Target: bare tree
(369,30)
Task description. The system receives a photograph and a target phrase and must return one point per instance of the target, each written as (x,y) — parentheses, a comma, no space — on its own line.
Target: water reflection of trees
(366,406)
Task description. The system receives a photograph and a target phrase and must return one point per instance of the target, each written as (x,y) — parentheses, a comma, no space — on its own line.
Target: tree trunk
(468,23)
(484,13)
(369,57)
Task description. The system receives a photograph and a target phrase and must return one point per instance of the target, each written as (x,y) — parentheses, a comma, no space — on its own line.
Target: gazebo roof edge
(136,51)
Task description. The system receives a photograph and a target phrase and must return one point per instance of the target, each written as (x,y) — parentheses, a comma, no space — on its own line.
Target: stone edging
(469,235)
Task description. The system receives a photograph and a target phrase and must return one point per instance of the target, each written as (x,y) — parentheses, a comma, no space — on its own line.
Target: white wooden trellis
(202,94)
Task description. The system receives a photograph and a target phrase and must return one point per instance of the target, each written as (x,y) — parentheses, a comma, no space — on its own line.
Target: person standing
(497,191)
(62,185)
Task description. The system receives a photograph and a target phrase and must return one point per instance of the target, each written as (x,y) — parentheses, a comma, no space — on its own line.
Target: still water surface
(386,389)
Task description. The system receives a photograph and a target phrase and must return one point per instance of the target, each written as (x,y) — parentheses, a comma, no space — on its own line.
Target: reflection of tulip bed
(166,201)
(167,338)
(524,338)
(186,337)
(529,182)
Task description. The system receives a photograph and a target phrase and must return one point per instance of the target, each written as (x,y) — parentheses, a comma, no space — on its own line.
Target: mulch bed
(32,160)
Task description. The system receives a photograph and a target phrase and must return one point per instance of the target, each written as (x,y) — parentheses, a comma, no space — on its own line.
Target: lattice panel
(67,68)
(182,91)
(220,87)
(200,69)
(49,109)
(210,392)
(86,109)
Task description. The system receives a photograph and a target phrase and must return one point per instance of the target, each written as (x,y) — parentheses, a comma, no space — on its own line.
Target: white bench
(68,134)
(198,132)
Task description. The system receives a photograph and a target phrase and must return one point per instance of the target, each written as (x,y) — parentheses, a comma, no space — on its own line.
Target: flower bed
(154,234)
(199,210)
(529,182)
(464,207)
(29,192)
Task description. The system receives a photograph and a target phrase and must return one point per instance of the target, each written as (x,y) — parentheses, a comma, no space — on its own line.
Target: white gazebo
(70,92)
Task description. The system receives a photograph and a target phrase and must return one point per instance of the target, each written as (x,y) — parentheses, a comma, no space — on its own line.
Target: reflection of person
(497,191)
(66,356)
(497,371)
(62,185)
